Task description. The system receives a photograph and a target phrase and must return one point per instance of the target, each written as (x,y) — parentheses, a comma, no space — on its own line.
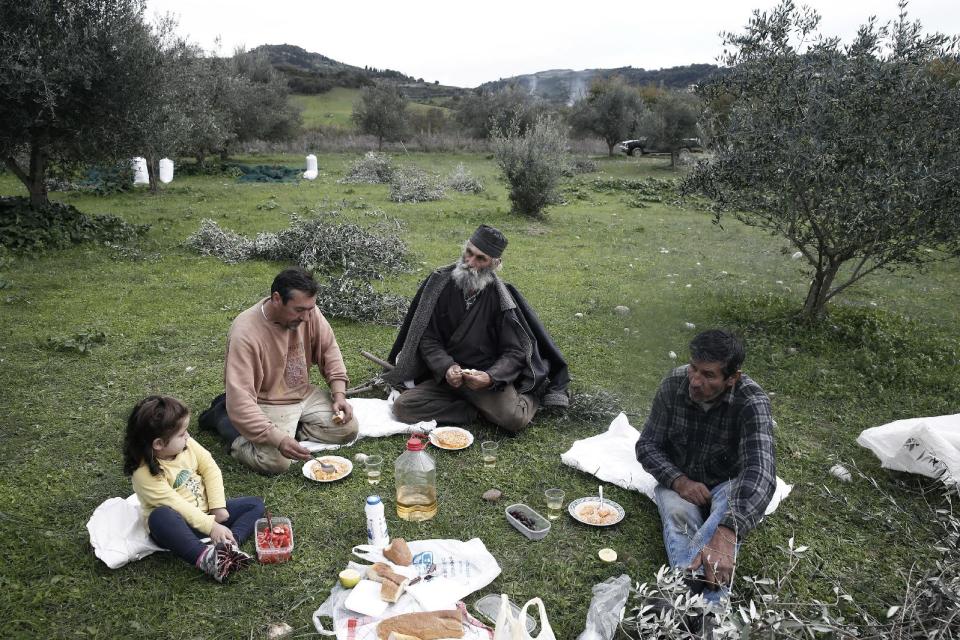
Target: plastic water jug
(416,478)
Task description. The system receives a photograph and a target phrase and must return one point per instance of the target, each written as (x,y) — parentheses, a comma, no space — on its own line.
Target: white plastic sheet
(926,446)
(463,567)
(611,457)
(375,419)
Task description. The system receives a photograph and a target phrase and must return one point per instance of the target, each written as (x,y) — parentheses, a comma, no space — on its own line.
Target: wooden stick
(374,359)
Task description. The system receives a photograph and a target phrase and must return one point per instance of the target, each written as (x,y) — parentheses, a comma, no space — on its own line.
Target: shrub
(532,163)
(211,240)
(373,167)
(56,226)
(462,180)
(346,252)
(412,184)
(356,299)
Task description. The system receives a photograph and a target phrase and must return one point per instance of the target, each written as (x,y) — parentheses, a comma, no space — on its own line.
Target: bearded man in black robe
(471,345)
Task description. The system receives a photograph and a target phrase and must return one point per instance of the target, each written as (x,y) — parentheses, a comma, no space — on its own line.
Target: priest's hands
(454,376)
(477,380)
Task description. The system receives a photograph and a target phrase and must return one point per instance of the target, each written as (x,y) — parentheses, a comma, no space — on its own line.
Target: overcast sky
(467,44)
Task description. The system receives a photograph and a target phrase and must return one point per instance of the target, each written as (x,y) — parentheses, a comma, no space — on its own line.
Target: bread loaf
(398,552)
(381,571)
(427,625)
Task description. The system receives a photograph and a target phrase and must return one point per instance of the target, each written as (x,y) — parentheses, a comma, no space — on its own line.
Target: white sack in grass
(166,170)
(118,534)
(927,446)
(611,456)
(140,175)
(311,172)
(376,419)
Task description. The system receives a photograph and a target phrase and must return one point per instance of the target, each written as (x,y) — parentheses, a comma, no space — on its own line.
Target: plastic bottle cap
(373,499)
(414,444)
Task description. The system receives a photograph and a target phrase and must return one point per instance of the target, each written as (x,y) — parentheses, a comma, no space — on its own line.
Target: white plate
(574,507)
(439,430)
(310,464)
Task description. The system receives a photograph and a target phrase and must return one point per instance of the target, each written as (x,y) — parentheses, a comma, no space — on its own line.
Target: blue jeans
(688,528)
(171,531)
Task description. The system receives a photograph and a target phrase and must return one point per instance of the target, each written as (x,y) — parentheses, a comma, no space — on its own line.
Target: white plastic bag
(118,534)
(510,627)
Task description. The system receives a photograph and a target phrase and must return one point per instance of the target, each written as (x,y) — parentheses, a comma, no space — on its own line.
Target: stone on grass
(578,315)
(797,255)
(672,355)
(689,325)
(492,495)
(841,473)
(621,310)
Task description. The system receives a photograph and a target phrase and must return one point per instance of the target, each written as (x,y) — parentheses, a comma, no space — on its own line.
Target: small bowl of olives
(527,521)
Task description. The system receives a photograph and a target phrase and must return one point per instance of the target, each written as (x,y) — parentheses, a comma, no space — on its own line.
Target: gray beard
(468,280)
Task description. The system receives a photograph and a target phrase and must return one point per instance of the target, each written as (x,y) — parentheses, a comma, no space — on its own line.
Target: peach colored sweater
(268,364)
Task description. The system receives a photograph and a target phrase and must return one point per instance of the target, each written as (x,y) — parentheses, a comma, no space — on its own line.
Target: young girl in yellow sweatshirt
(181,490)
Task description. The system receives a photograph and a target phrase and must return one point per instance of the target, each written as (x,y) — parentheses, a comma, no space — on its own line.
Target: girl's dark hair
(153,417)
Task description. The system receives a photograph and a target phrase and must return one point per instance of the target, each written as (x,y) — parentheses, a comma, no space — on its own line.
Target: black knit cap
(489,240)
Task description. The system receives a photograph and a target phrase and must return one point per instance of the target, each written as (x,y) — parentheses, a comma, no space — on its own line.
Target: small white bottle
(376,523)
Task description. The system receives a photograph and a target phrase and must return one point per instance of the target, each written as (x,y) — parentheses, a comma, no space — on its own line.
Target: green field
(887,352)
(333,108)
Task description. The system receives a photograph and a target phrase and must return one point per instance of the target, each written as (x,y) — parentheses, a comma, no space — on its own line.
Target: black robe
(543,371)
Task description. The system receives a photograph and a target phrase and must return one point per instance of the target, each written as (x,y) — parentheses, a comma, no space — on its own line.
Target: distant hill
(311,73)
(565,86)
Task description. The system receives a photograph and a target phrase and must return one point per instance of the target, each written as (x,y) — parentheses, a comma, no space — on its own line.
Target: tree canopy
(611,110)
(850,152)
(74,77)
(382,112)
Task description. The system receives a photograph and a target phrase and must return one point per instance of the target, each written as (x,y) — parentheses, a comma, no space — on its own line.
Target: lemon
(349,578)
(607,555)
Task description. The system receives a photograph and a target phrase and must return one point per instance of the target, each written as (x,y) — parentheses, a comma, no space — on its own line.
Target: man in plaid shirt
(709,443)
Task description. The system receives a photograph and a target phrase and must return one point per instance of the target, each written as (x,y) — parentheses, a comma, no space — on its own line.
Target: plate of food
(322,473)
(588,511)
(451,438)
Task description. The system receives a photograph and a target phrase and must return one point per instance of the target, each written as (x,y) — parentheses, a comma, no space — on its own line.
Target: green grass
(334,108)
(62,415)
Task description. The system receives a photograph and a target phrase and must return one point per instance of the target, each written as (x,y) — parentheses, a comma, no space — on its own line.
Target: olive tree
(850,152)
(671,121)
(483,111)
(532,162)
(73,78)
(611,110)
(381,111)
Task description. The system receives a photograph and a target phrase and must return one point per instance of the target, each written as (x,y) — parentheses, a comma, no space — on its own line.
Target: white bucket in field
(311,172)
(140,175)
(166,170)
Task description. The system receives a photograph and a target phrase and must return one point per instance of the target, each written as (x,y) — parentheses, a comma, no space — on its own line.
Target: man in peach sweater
(270,403)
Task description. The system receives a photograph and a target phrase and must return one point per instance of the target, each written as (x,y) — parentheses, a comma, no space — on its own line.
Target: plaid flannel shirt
(733,440)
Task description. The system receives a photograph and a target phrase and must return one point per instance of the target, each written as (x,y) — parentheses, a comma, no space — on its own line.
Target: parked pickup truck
(632,147)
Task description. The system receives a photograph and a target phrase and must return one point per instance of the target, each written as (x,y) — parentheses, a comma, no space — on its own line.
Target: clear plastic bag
(510,627)
(609,599)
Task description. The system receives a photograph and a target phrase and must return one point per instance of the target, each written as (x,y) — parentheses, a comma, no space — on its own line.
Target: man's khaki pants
(313,416)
